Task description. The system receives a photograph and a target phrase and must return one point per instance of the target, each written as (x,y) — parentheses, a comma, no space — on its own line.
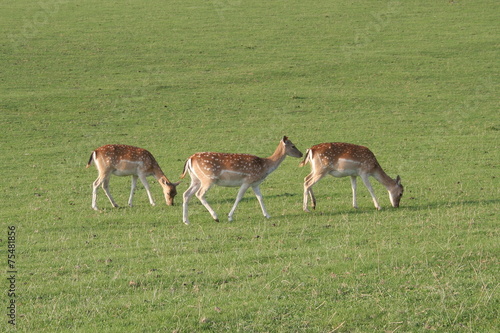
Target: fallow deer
(345,159)
(123,160)
(232,170)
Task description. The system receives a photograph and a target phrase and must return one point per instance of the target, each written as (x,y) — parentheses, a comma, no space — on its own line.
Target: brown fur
(123,160)
(344,159)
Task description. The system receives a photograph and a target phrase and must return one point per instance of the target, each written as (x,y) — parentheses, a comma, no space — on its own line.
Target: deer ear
(175,184)
(398,180)
(285,138)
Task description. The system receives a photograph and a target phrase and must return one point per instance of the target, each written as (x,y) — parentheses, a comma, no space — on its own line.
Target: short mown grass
(416,82)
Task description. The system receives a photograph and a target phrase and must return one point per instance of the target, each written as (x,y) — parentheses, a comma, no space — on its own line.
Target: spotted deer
(232,170)
(123,160)
(345,159)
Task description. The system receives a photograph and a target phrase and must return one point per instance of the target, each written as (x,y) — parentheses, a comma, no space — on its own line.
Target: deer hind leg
(256,190)
(313,198)
(368,185)
(132,190)
(105,187)
(144,182)
(309,181)
(95,187)
(193,188)
(200,194)
(353,186)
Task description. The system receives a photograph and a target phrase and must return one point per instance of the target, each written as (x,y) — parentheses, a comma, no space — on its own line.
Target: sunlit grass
(415,82)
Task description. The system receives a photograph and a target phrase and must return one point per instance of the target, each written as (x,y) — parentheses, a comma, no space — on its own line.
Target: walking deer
(345,159)
(123,160)
(232,170)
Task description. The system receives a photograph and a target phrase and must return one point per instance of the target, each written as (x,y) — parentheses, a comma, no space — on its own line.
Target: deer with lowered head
(123,160)
(345,159)
(232,170)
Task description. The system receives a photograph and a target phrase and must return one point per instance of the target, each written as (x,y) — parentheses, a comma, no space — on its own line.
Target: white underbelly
(343,173)
(345,168)
(124,172)
(230,178)
(127,168)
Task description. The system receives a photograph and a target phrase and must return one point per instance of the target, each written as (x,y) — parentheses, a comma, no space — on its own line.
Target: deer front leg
(144,182)
(241,192)
(368,185)
(353,186)
(132,189)
(256,190)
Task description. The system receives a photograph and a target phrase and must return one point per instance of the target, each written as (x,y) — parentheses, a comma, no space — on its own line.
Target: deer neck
(384,179)
(158,174)
(276,158)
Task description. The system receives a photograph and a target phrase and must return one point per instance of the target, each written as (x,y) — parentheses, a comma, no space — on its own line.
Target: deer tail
(307,158)
(91,159)
(187,166)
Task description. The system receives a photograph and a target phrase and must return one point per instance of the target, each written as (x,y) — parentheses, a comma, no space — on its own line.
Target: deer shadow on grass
(449,204)
(411,207)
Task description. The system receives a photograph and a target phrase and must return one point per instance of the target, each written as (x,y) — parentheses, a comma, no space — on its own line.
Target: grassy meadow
(415,81)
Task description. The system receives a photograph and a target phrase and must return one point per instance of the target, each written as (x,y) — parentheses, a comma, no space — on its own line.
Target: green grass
(417,82)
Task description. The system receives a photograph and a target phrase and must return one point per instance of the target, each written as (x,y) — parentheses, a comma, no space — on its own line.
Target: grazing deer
(232,170)
(345,159)
(122,160)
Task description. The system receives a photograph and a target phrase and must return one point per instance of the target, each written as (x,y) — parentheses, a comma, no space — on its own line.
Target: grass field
(416,81)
